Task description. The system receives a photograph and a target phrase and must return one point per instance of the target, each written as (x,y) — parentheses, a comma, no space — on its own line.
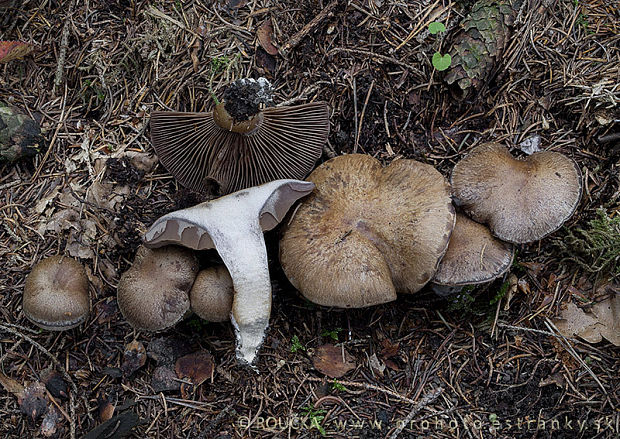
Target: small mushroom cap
(211,297)
(154,293)
(277,143)
(56,294)
(474,256)
(520,200)
(367,232)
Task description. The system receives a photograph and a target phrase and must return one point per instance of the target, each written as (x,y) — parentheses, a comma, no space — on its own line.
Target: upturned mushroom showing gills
(234,226)
(367,232)
(56,294)
(520,200)
(474,256)
(240,143)
(154,293)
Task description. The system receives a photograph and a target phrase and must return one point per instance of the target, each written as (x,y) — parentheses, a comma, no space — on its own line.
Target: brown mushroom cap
(278,143)
(56,294)
(474,256)
(367,232)
(211,297)
(520,200)
(154,293)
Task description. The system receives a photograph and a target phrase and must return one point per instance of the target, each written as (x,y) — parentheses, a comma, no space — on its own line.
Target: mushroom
(211,297)
(474,256)
(233,225)
(154,293)
(367,232)
(240,144)
(520,200)
(56,294)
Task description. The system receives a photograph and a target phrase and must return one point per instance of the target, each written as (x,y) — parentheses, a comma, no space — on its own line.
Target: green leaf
(440,62)
(435,27)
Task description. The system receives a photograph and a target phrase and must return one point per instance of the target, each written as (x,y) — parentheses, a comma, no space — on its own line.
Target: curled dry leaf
(12,50)
(330,361)
(602,321)
(264,33)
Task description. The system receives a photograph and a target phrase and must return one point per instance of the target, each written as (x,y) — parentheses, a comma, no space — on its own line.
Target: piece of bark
(20,136)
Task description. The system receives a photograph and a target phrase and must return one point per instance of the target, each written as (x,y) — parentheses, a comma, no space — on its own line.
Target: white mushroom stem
(246,260)
(234,226)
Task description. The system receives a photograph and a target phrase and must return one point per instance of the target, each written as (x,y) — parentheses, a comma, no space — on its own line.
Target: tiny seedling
(315,416)
(333,334)
(435,27)
(296,344)
(335,385)
(500,294)
(440,62)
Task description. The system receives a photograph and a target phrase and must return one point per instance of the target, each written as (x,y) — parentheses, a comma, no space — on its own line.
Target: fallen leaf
(264,33)
(10,385)
(12,50)
(556,378)
(265,61)
(196,367)
(389,349)
(134,357)
(105,409)
(602,321)
(329,360)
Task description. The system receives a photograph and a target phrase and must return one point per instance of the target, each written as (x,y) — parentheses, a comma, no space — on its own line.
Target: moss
(595,248)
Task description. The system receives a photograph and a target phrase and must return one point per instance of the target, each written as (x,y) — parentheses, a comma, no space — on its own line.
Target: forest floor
(484,365)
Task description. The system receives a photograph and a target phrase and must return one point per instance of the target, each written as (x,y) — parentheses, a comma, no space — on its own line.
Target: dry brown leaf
(134,357)
(377,365)
(602,321)
(389,349)
(329,361)
(196,367)
(10,385)
(12,50)
(264,33)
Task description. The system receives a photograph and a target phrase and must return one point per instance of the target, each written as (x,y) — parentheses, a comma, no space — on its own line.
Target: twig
(377,56)
(62,370)
(296,39)
(574,354)
(428,399)
(367,387)
(359,126)
(62,54)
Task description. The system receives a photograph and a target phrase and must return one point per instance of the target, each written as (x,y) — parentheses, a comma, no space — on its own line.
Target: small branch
(428,399)
(296,39)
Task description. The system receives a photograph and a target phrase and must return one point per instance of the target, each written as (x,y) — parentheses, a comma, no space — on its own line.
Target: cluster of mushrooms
(361,233)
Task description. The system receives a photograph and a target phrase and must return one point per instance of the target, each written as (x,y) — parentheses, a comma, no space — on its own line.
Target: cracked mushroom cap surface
(211,296)
(474,255)
(56,294)
(520,200)
(154,293)
(367,232)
